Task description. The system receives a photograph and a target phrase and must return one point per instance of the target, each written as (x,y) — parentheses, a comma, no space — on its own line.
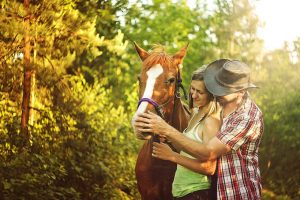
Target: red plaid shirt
(238,171)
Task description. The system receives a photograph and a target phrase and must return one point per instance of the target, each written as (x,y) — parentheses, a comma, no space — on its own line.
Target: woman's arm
(210,128)
(164,152)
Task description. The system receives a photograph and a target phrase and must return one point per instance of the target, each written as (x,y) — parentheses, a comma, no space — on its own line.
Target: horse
(159,84)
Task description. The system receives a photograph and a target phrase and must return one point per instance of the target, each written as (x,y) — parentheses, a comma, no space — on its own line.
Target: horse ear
(142,53)
(179,56)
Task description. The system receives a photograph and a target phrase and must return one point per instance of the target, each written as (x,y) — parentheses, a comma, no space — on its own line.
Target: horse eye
(171,80)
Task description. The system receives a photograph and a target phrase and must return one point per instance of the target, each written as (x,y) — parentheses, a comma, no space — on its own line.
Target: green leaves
(81,145)
(78,136)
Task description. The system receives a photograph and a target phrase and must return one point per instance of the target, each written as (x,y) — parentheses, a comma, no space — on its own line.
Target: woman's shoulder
(211,126)
(213,119)
(212,123)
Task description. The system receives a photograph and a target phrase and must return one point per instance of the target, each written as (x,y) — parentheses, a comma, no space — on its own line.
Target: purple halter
(158,108)
(149,101)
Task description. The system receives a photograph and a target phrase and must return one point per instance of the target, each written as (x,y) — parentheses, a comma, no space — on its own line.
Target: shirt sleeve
(238,132)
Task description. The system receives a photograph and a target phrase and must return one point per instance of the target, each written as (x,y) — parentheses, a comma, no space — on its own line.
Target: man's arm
(204,152)
(149,122)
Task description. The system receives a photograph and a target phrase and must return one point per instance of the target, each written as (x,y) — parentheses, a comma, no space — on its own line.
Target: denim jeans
(198,195)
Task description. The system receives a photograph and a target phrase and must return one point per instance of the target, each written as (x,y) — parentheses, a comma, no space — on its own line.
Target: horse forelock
(157,63)
(158,55)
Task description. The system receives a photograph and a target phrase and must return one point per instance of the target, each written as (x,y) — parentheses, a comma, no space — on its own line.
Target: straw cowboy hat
(223,77)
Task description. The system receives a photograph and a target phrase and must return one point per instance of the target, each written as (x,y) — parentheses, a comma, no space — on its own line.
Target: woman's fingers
(161,151)
(155,152)
(156,145)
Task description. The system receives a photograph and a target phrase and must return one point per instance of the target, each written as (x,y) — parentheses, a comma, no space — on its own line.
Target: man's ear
(143,54)
(241,94)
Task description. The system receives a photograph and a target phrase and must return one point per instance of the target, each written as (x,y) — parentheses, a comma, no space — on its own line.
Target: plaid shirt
(238,171)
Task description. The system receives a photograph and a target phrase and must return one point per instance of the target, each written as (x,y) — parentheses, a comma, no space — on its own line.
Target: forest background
(69,136)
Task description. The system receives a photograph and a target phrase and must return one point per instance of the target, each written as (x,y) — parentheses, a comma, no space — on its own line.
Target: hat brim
(213,86)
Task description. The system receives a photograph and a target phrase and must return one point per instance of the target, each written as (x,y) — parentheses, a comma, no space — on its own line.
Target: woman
(192,176)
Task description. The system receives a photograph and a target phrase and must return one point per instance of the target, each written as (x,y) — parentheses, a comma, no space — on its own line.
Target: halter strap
(158,108)
(149,101)
(180,86)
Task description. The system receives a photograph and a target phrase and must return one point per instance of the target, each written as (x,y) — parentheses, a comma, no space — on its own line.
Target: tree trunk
(27,75)
(32,99)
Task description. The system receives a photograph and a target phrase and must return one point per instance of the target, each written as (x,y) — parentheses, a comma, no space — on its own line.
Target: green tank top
(185,180)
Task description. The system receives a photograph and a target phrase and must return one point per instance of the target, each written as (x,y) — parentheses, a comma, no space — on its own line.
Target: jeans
(197,195)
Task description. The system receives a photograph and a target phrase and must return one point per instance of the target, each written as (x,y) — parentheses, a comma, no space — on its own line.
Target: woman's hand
(150,122)
(163,151)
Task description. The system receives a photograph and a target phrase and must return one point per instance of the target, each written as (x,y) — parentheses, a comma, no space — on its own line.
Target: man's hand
(140,135)
(150,122)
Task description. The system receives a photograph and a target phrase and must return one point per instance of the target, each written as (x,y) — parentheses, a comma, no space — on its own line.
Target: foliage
(78,137)
(72,146)
(84,91)
(227,30)
(279,99)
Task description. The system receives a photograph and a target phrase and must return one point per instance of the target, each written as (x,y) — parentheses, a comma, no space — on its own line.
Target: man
(236,144)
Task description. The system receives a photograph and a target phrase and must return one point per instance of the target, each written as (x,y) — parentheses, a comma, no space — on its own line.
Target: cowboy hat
(223,77)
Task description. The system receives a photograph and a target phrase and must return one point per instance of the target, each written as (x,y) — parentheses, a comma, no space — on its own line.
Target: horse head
(159,82)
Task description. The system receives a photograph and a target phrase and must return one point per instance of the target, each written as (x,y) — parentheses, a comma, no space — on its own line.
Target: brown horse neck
(180,115)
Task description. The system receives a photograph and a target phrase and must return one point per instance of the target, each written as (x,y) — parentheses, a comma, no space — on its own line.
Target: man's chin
(222,102)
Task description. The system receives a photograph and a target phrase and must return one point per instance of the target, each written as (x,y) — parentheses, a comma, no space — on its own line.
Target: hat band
(241,86)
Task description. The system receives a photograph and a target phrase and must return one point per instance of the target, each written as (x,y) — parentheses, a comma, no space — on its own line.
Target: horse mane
(158,55)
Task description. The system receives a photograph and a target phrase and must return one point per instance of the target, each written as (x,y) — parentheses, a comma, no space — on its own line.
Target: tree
(27,73)
(279,97)
(79,138)
(226,29)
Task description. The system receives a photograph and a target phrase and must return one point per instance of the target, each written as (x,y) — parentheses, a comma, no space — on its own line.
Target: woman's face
(199,94)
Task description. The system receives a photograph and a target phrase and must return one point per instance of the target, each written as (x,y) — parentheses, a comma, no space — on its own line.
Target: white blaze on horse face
(152,73)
